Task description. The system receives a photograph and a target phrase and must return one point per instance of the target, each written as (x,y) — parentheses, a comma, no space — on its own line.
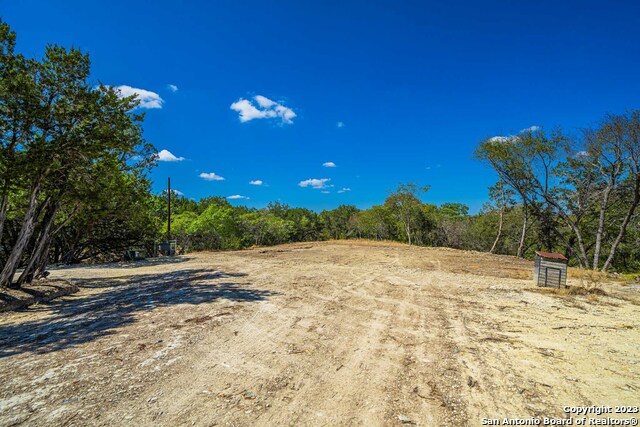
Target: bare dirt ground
(334,333)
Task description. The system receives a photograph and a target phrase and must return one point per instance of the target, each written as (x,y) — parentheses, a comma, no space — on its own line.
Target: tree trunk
(568,252)
(43,262)
(583,252)
(28,225)
(525,218)
(495,243)
(40,252)
(600,232)
(623,226)
(3,212)
(37,263)
(10,152)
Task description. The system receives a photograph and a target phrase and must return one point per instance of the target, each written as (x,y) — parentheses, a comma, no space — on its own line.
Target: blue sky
(388,91)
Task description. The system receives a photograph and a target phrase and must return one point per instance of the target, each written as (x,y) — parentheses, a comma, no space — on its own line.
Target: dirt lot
(336,333)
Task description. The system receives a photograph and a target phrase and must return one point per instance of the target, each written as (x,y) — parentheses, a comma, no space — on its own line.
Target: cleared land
(336,333)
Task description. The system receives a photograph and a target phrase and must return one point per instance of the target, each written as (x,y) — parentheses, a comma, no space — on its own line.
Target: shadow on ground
(147,262)
(79,319)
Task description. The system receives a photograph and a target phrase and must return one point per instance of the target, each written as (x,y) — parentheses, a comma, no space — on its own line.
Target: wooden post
(169,209)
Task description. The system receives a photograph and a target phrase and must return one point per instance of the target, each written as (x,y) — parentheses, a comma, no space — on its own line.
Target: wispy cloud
(256,182)
(581,154)
(530,129)
(211,176)
(172,88)
(315,183)
(326,192)
(344,190)
(513,138)
(329,165)
(340,124)
(147,98)
(263,108)
(167,156)
(237,196)
(177,192)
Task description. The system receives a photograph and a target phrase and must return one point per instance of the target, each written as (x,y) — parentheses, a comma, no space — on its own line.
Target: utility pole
(169,209)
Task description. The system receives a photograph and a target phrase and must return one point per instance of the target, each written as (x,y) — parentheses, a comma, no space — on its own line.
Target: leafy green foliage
(73,162)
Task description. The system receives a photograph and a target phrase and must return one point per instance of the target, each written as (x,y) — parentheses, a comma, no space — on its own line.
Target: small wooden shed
(550,270)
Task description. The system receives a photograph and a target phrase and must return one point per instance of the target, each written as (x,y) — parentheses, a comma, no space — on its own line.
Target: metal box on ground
(550,270)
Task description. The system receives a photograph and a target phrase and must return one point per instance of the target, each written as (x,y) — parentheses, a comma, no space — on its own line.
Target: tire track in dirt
(346,334)
(276,336)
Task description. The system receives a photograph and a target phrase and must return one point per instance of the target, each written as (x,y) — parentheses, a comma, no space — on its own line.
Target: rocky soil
(333,333)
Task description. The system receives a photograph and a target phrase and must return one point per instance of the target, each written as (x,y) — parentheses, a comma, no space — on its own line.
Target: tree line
(577,195)
(504,225)
(74,186)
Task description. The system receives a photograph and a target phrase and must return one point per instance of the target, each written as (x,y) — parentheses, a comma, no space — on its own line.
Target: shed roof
(552,255)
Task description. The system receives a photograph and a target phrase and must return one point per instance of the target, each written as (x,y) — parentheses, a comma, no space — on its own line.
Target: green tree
(374,223)
(216,228)
(404,203)
(510,161)
(336,223)
(57,129)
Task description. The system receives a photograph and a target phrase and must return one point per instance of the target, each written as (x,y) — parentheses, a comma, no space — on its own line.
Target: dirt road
(336,333)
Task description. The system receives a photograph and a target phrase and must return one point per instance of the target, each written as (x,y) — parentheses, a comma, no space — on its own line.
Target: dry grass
(522,274)
(631,298)
(581,290)
(368,242)
(570,291)
(576,296)
(587,275)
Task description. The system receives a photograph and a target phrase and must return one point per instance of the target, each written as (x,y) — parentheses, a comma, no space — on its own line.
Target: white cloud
(172,88)
(264,102)
(211,176)
(581,154)
(329,165)
(326,192)
(340,124)
(177,192)
(530,129)
(513,138)
(167,156)
(503,139)
(248,111)
(499,139)
(344,189)
(264,108)
(256,182)
(286,113)
(147,98)
(315,183)
(237,196)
